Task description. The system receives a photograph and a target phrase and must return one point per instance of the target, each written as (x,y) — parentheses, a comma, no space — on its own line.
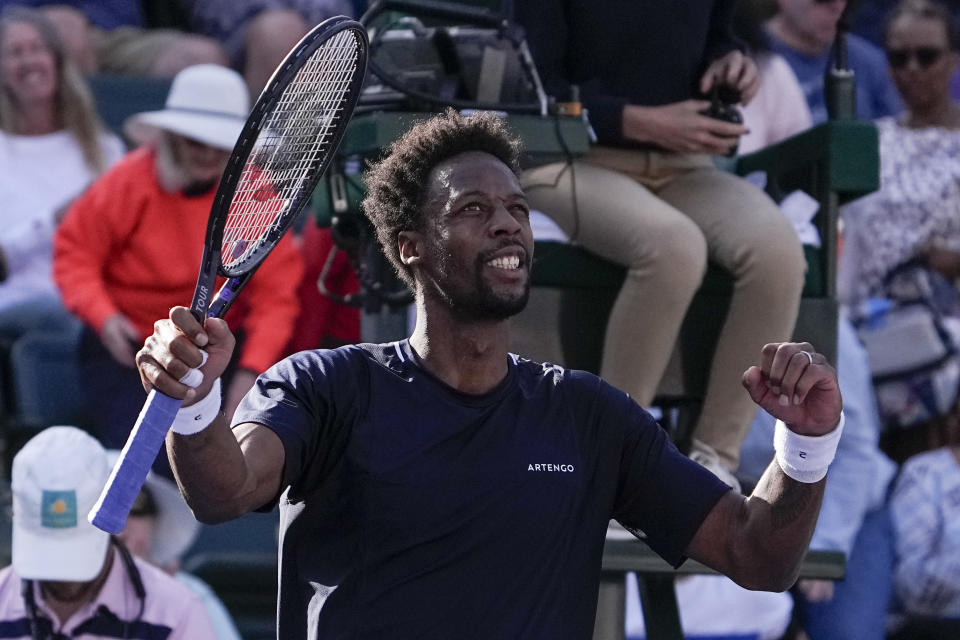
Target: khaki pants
(663,216)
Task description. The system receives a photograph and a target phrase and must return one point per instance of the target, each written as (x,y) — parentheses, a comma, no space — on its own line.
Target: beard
(478,302)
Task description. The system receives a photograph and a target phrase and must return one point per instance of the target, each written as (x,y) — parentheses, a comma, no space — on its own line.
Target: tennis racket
(286,144)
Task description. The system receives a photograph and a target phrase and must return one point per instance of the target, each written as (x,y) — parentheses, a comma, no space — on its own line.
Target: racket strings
(290,148)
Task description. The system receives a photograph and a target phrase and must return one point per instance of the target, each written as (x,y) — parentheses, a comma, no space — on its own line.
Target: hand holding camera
(723,106)
(683,127)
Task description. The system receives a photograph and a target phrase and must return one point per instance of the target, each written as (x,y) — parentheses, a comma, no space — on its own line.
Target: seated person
(779,109)
(160,529)
(906,235)
(925,510)
(803,32)
(258,34)
(52,145)
(650,198)
(131,245)
(111,37)
(69,579)
(323,322)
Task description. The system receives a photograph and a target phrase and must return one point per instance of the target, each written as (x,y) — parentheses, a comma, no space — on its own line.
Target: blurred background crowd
(103,217)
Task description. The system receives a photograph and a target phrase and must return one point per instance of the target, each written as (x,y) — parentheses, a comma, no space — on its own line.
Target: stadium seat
(45,387)
(120,96)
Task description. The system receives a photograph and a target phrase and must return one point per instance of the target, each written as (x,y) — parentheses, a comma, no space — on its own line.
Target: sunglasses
(925,56)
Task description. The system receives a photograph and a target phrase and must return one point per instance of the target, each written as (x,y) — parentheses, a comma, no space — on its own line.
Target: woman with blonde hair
(52,146)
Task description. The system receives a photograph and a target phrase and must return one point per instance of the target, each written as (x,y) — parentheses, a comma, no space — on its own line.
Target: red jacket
(127,245)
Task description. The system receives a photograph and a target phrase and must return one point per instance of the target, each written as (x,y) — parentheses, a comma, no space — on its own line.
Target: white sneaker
(706,456)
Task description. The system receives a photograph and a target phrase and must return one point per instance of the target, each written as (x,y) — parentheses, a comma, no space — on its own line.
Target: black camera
(723,106)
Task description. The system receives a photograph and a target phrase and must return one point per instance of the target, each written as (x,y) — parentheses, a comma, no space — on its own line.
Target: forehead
(20,31)
(915,30)
(469,172)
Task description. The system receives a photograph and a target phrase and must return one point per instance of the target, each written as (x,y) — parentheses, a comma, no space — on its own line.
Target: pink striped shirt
(170,610)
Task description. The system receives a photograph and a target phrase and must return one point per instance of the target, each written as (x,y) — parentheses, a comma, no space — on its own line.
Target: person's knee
(186,51)
(773,256)
(269,37)
(674,253)
(73,28)
(271,26)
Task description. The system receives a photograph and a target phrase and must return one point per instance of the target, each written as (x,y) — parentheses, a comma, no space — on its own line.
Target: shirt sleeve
(94,226)
(310,400)
(789,113)
(660,491)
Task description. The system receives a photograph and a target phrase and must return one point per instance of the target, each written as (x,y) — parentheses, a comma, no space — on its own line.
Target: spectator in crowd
(111,37)
(52,146)
(258,34)
(160,529)
(914,213)
(650,197)
(925,508)
(324,322)
(905,238)
(130,247)
(69,579)
(779,109)
(803,32)
(407,469)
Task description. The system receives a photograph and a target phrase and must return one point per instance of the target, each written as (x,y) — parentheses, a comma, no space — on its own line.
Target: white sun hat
(207,103)
(56,478)
(175,528)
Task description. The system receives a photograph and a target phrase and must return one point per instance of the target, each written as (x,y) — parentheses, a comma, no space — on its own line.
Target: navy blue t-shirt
(412,510)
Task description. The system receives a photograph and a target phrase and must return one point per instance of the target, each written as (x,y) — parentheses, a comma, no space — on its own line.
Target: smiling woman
(51,146)
(907,234)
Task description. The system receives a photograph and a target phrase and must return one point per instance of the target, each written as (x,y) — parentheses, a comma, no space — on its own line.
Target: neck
(65,602)
(944,113)
(470,357)
(37,120)
(795,39)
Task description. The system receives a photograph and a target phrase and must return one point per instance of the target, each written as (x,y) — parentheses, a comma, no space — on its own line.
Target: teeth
(506,262)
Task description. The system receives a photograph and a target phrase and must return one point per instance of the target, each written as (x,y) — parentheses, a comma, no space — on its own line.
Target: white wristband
(200,415)
(805,458)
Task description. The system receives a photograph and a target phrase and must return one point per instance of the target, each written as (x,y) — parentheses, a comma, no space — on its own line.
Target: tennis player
(441,487)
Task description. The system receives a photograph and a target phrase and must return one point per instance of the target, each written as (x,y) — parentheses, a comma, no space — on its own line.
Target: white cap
(175,528)
(207,102)
(57,477)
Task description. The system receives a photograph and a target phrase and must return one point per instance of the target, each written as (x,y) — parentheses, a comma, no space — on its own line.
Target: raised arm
(760,541)
(222,473)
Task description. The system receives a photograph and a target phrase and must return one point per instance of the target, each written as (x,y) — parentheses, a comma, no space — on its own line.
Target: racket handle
(130,472)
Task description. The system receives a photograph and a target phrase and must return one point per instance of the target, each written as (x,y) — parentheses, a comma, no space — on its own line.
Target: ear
(410,245)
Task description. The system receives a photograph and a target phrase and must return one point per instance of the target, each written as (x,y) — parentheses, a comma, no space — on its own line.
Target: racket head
(288,141)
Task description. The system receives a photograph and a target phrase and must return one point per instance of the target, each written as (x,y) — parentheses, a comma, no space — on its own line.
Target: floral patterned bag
(912,340)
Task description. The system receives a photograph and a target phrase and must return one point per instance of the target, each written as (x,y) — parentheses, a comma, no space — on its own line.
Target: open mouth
(507,263)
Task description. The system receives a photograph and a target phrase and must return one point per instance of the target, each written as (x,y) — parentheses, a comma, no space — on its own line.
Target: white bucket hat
(56,478)
(207,102)
(175,528)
